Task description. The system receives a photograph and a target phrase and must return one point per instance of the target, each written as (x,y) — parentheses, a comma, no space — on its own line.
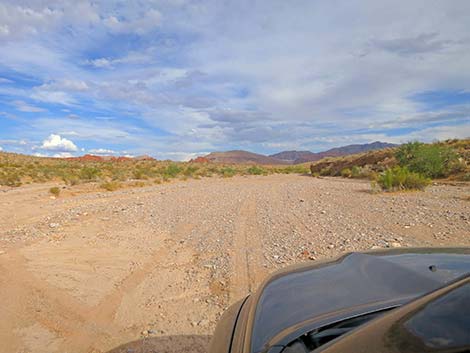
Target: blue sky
(179,78)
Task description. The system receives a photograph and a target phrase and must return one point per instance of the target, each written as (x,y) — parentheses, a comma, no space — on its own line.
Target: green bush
(400,178)
(227,172)
(355,172)
(326,171)
(190,170)
(138,174)
(55,191)
(291,169)
(172,170)
(89,173)
(346,173)
(255,170)
(433,161)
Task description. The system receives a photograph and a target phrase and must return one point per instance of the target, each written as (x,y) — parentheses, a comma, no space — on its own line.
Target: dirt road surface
(152,269)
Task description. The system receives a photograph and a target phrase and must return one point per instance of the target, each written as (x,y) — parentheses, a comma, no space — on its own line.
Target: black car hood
(355,283)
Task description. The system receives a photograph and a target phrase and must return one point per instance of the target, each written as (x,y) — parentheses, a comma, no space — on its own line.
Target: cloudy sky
(177,78)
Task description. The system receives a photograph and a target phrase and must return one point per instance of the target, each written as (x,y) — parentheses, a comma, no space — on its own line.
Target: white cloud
(1,149)
(60,91)
(437,133)
(25,107)
(38,154)
(144,24)
(179,156)
(130,58)
(100,63)
(101,151)
(17,21)
(14,142)
(63,155)
(5,80)
(66,84)
(53,97)
(29,18)
(57,143)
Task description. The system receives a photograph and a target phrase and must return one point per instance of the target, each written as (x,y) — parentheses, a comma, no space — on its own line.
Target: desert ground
(152,269)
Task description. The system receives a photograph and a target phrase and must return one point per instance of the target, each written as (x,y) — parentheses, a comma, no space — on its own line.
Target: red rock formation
(87,158)
(200,160)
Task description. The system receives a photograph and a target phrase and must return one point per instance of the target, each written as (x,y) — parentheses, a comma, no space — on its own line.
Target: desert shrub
(72,181)
(139,184)
(172,170)
(10,179)
(227,172)
(346,173)
(69,177)
(292,169)
(55,191)
(190,170)
(433,161)
(111,185)
(457,166)
(256,170)
(118,174)
(327,171)
(139,174)
(89,173)
(400,178)
(372,175)
(356,171)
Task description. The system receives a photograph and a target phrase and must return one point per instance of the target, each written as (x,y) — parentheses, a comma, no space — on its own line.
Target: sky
(180,78)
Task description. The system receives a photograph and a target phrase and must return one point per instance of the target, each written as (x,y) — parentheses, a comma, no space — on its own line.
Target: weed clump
(111,185)
(255,170)
(55,191)
(227,172)
(172,170)
(89,173)
(346,173)
(400,178)
(10,179)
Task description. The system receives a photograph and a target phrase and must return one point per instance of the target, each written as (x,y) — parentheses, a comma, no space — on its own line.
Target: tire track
(247,270)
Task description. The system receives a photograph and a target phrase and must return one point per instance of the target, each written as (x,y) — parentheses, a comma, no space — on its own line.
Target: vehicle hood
(315,295)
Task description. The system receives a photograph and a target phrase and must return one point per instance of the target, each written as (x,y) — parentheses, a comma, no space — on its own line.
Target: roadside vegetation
(410,166)
(400,178)
(16,170)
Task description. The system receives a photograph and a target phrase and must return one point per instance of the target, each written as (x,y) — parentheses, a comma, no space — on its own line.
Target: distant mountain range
(243,157)
(292,157)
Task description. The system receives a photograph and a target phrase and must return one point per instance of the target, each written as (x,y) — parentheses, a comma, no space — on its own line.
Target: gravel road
(152,269)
